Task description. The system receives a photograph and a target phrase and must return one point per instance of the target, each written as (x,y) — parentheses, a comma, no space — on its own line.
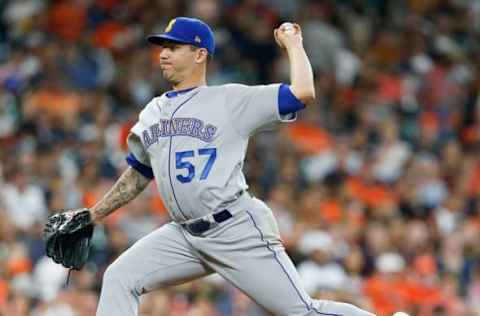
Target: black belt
(201,225)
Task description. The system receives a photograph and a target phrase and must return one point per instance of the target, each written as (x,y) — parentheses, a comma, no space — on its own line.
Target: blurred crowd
(376,187)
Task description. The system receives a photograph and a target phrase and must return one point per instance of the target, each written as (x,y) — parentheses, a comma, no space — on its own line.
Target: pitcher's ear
(202,55)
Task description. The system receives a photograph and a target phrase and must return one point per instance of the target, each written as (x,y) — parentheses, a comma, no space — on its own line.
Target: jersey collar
(174,93)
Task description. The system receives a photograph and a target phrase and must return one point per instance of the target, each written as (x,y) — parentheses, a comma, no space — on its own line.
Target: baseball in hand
(287,34)
(289,28)
(400,314)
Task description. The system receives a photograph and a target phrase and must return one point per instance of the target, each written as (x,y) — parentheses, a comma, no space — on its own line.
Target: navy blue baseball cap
(187,31)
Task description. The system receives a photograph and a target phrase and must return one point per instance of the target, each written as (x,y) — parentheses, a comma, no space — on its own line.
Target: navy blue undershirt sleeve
(145,170)
(287,101)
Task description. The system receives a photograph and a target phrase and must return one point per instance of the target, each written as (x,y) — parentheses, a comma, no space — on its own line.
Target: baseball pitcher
(192,142)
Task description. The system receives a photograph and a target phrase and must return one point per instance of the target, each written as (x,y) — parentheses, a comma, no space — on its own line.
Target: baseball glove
(68,236)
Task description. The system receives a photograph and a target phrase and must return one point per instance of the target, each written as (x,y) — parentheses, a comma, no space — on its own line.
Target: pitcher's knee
(116,277)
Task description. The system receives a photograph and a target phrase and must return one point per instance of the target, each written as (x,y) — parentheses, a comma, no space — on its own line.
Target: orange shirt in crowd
(3,291)
(18,266)
(474,181)
(389,295)
(59,104)
(389,88)
(124,131)
(371,195)
(110,35)
(309,139)
(470,135)
(67,19)
(331,211)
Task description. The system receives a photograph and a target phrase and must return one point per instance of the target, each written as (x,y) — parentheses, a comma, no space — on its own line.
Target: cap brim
(162,38)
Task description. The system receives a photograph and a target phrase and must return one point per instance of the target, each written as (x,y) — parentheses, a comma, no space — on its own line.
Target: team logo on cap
(170,25)
(198,39)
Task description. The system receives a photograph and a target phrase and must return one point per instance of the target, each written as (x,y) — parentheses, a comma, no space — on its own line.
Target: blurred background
(376,187)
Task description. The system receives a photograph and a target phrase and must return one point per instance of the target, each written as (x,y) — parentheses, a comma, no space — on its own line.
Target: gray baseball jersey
(195,143)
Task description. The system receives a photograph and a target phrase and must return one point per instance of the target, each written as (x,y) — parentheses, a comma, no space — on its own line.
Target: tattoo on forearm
(127,187)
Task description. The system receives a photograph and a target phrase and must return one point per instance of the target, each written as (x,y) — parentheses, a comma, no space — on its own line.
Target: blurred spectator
(320,271)
(387,289)
(24,202)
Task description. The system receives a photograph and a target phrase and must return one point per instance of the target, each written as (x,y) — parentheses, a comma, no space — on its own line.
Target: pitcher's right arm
(289,37)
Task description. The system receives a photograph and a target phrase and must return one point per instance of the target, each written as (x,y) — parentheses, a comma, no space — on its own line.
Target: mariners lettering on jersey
(179,126)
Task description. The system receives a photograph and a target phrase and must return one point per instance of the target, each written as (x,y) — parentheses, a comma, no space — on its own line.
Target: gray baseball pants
(246,250)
